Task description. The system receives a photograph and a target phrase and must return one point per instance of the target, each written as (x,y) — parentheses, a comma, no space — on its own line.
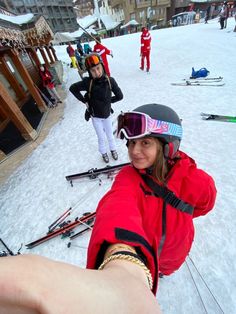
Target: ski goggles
(134,124)
(92,61)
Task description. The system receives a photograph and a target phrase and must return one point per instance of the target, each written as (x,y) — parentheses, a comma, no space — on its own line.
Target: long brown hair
(160,166)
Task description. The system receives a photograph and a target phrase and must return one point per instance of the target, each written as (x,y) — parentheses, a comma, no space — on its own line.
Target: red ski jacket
(145,41)
(47,78)
(162,234)
(103,52)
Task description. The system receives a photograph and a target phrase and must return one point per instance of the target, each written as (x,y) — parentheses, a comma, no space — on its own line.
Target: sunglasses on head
(134,124)
(92,61)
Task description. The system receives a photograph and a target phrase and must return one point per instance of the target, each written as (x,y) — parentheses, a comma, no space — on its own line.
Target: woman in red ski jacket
(103,52)
(148,213)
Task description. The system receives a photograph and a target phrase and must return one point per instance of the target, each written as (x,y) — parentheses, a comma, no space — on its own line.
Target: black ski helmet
(163,113)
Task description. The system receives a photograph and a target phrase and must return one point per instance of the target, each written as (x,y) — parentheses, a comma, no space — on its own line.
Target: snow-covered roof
(108,22)
(89,20)
(130,23)
(19,19)
(62,38)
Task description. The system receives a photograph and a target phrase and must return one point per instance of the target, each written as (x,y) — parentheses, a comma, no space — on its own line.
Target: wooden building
(22,39)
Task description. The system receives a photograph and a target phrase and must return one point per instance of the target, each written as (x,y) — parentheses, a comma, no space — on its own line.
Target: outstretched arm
(32,284)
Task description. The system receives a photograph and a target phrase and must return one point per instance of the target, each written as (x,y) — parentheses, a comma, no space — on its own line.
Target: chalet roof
(107,20)
(62,38)
(130,23)
(23,30)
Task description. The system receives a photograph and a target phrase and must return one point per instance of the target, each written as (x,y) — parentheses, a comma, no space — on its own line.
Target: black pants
(222,22)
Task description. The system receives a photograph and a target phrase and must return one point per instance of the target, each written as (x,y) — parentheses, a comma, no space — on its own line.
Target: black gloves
(112,110)
(86,115)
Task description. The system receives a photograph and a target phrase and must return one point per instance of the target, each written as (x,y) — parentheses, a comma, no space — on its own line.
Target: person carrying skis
(146,218)
(103,52)
(48,83)
(98,98)
(145,48)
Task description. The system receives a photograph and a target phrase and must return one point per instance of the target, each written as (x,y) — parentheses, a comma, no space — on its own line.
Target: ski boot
(105,158)
(114,154)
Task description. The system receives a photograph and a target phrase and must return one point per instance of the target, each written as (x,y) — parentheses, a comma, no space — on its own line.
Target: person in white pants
(103,128)
(99,88)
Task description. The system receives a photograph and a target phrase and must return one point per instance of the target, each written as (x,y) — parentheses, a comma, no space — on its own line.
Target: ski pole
(80,232)
(7,248)
(59,219)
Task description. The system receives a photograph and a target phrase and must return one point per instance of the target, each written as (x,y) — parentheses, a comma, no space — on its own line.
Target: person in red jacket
(147,216)
(145,48)
(48,83)
(103,52)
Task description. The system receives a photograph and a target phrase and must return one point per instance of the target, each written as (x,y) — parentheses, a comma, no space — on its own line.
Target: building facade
(22,104)
(59,14)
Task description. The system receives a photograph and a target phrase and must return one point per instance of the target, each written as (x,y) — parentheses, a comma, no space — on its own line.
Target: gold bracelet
(130,259)
(119,247)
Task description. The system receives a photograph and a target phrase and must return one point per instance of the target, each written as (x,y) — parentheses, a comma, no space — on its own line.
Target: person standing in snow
(146,219)
(87,48)
(98,98)
(224,14)
(103,52)
(80,48)
(71,53)
(48,83)
(145,48)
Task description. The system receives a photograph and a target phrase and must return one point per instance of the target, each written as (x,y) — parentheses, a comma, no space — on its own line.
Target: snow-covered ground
(37,192)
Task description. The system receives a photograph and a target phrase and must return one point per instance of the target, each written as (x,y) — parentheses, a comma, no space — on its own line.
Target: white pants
(104,127)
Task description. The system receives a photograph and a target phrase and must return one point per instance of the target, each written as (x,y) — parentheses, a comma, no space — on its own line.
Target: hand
(112,110)
(86,115)
(111,54)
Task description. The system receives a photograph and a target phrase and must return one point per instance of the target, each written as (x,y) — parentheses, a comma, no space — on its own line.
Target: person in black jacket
(98,98)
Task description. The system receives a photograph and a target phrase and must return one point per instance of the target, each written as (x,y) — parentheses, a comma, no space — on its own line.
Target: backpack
(203,72)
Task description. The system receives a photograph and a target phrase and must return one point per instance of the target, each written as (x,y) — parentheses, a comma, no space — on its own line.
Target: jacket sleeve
(119,220)
(76,89)
(207,195)
(116,91)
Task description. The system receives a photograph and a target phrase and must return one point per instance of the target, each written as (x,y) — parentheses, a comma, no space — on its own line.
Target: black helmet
(164,113)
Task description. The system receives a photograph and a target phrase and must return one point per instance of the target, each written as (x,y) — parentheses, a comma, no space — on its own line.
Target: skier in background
(87,48)
(48,83)
(71,52)
(103,52)
(224,14)
(80,48)
(145,48)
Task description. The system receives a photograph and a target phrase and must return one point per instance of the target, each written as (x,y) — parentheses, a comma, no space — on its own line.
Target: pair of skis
(65,229)
(216,117)
(93,173)
(207,81)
